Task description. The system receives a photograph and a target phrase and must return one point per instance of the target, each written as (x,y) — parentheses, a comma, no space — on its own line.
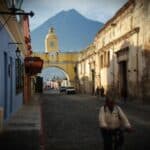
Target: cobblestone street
(71,123)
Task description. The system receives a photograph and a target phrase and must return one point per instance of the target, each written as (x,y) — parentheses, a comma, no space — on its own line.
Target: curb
(42,130)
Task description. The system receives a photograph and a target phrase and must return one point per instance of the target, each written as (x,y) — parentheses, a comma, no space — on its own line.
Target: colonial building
(120,58)
(11,65)
(15,46)
(86,69)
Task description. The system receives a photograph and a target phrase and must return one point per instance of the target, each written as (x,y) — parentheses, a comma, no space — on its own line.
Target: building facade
(11,65)
(120,58)
(88,71)
(28,79)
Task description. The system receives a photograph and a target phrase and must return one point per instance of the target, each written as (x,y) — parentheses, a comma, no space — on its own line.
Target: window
(81,67)
(108,58)
(102,64)
(84,67)
(19,75)
(105,59)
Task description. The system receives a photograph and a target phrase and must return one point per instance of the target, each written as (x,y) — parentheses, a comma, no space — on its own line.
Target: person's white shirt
(114,119)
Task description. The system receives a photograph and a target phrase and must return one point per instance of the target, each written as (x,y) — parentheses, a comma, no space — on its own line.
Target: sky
(98,10)
(50,73)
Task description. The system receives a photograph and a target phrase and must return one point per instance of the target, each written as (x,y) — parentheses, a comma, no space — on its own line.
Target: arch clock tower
(51,42)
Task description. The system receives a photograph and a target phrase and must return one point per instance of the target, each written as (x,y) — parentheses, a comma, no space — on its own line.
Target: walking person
(102,91)
(97,92)
(111,120)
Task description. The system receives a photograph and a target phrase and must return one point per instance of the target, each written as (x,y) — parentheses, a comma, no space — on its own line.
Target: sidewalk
(137,111)
(138,105)
(22,131)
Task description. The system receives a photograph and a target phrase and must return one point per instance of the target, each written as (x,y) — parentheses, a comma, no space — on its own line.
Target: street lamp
(17,52)
(14,8)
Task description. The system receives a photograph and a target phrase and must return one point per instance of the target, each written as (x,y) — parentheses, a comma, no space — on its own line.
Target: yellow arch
(65,61)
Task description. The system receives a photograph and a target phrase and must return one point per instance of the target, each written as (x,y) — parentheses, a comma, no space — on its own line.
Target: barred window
(19,75)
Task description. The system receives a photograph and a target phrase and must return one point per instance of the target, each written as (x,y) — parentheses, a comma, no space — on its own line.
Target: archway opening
(54,78)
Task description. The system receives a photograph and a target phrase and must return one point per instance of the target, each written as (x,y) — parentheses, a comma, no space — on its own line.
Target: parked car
(70,90)
(62,89)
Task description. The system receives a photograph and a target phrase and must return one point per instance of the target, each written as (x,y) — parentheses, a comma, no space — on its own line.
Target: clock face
(51,44)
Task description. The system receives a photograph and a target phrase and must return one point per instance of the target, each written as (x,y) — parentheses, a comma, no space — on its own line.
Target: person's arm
(102,121)
(124,118)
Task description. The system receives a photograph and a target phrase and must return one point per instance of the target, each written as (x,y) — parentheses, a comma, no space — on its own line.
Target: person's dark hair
(109,98)
(109,102)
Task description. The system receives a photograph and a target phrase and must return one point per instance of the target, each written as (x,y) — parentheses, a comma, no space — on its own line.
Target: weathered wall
(124,38)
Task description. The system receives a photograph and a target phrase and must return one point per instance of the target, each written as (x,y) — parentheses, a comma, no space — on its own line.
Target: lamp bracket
(14,43)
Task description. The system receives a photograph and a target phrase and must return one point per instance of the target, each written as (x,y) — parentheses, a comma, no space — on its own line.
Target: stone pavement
(139,105)
(22,131)
(71,123)
(138,112)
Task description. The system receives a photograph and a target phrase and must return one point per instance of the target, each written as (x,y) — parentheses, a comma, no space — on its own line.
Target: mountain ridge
(74,31)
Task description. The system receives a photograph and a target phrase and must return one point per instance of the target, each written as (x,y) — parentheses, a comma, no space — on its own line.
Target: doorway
(11,85)
(5,84)
(123,79)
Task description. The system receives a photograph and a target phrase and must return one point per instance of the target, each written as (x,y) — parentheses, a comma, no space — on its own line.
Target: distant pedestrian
(102,91)
(97,92)
(111,120)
